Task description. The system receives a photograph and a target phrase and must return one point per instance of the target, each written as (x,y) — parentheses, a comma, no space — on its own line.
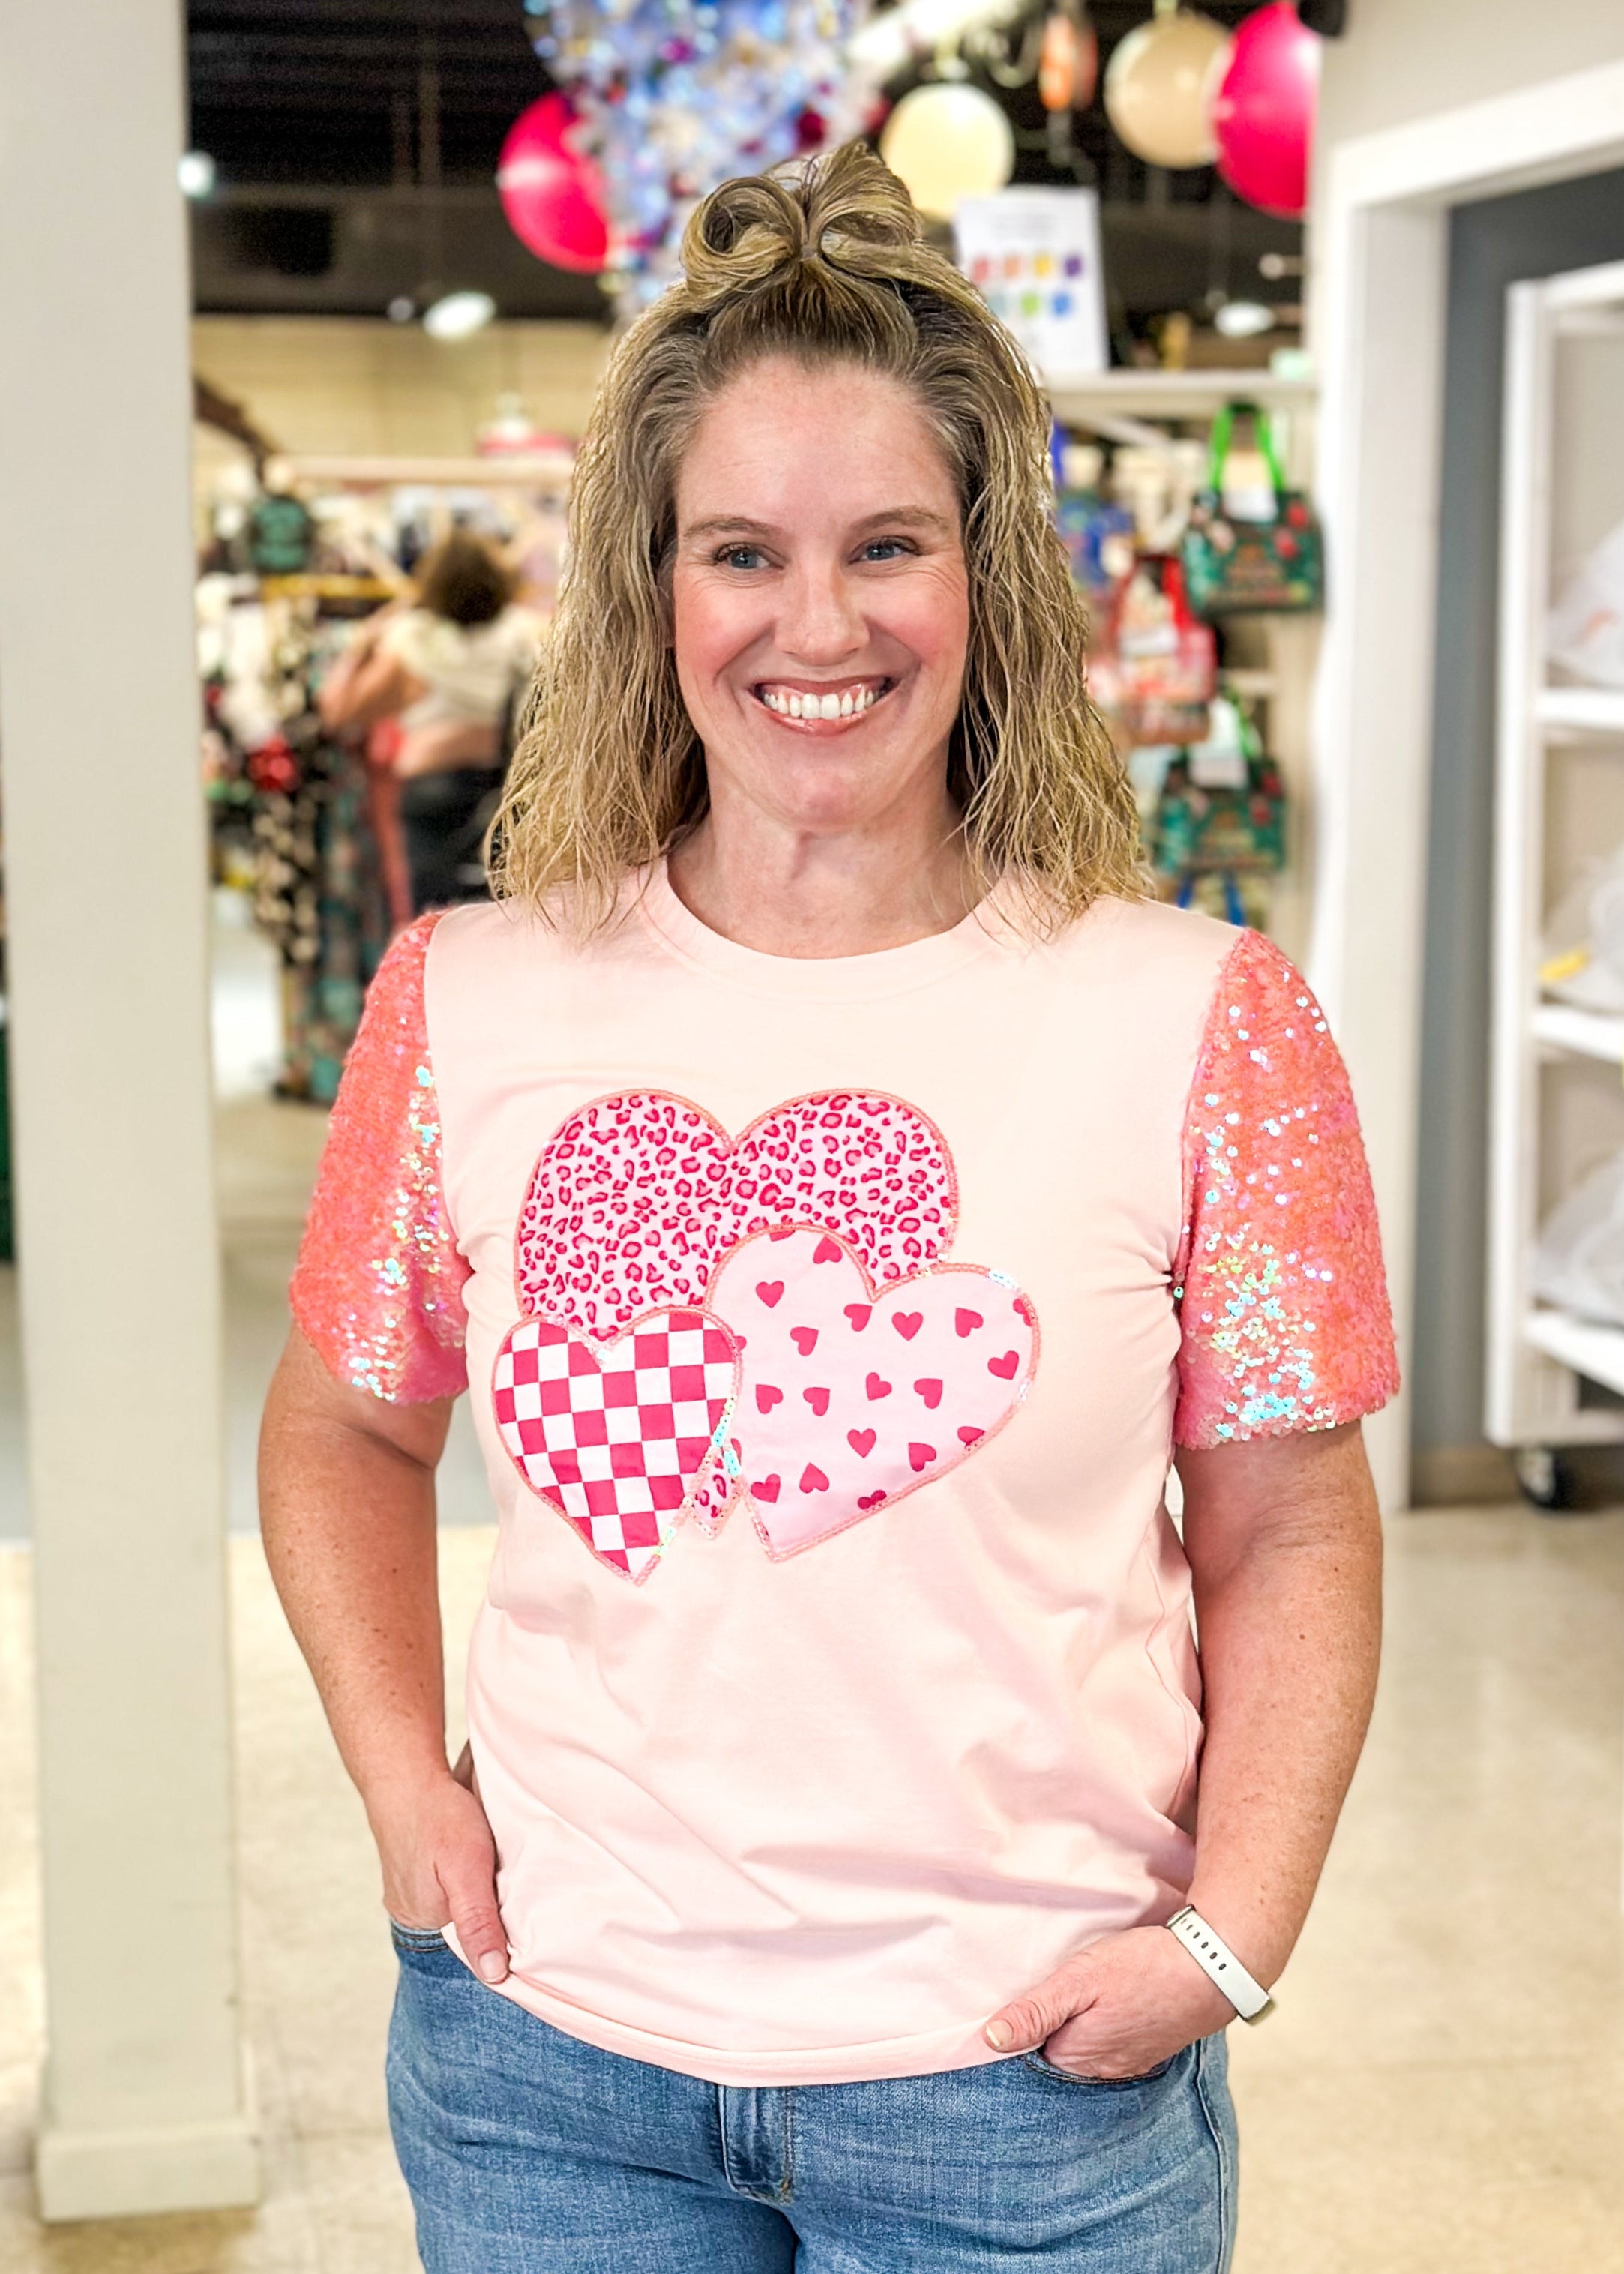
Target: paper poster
(1036,255)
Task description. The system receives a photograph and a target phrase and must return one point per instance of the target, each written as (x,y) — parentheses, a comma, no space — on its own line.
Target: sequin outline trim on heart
(738,1484)
(669,1520)
(539,1285)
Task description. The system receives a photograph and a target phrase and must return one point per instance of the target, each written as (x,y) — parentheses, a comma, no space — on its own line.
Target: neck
(785,891)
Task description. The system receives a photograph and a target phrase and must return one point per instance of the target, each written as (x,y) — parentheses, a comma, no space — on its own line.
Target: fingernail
(492,1967)
(999,2034)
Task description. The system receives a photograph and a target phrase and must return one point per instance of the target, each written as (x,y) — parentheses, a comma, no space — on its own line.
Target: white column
(144,2106)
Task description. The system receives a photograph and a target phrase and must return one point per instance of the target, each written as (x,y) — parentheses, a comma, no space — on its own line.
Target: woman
(842,1190)
(446,672)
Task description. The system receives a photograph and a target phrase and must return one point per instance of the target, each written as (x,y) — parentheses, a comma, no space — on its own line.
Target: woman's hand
(440,1865)
(1118,2009)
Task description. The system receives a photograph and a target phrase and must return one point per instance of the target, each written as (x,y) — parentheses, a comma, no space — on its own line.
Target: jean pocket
(417,1941)
(1042,2067)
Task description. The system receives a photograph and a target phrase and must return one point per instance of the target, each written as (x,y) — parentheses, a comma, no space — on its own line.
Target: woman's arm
(347,1510)
(1284,1544)
(366,683)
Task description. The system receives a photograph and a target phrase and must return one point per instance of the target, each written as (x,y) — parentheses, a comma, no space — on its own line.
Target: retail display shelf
(1583,1345)
(1595,710)
(1171,394)
(1588,1034)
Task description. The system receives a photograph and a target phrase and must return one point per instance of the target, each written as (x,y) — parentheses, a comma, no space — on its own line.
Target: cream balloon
(1157,87)
(946,141)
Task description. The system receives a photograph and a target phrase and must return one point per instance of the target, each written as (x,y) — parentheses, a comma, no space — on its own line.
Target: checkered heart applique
(616,1436)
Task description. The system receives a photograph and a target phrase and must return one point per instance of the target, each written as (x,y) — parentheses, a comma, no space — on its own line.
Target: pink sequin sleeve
(1282,1299)
(378,1288)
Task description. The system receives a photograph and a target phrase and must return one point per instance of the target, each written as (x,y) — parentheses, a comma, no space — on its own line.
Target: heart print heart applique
(617,1437)
(852,1397)
(637,1198)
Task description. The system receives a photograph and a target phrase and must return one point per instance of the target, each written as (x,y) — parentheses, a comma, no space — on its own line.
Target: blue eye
(884,548)
(739,556)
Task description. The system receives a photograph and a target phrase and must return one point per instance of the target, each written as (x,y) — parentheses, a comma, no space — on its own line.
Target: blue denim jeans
(529,2152)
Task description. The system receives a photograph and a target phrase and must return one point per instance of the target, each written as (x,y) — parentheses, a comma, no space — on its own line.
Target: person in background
(445,673)
(843,1193)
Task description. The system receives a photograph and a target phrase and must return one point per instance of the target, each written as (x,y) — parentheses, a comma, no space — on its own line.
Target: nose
(822,621)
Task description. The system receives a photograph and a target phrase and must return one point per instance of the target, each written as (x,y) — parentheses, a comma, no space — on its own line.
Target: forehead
(785,442)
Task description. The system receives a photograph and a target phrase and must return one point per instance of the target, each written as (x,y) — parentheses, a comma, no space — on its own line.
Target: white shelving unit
(1550,1119)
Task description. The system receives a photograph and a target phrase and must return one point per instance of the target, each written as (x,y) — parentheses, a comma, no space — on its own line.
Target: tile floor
(1442,2091)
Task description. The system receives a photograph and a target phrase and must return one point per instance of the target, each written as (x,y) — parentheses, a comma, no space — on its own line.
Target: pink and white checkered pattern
(616,1438)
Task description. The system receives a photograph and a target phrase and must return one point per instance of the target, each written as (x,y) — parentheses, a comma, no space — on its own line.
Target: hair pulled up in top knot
(846,212)
(824,262)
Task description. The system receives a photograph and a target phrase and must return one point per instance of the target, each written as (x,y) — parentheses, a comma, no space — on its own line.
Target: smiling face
(820,603)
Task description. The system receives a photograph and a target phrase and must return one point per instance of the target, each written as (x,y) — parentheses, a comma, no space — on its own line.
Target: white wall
(1404,59)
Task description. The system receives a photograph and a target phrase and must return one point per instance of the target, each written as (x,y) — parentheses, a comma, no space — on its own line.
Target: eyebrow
(903,516)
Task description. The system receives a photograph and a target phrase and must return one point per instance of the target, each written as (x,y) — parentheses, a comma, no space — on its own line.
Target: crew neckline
(883,971)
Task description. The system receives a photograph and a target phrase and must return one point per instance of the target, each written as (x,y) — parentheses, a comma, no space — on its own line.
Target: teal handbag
(1251,567)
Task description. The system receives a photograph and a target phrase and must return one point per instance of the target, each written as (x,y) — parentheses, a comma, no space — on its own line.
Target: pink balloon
(550,194)
(1263,113)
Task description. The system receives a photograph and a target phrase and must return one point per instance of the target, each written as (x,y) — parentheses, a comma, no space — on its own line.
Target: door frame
(1378,317)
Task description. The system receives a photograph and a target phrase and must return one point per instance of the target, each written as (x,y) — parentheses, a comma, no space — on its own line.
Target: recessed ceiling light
(1244,319)
(458,315)
(197,173)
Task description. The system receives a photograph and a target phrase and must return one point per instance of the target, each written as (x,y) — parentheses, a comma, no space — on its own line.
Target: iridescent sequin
(1283,1302)
(379,1285)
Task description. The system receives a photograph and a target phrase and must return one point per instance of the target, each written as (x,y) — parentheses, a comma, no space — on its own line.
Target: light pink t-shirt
(829,1327)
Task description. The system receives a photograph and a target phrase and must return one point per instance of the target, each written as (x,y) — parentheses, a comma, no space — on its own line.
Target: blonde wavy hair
(826,264)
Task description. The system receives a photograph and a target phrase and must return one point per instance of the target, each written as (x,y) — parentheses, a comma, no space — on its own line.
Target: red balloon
(1263,113)
(551,193)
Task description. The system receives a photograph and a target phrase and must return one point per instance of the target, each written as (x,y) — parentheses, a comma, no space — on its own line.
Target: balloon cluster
(1180,92)
(674,96)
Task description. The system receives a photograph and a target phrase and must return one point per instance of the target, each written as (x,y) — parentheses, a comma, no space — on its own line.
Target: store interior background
(1444,2086)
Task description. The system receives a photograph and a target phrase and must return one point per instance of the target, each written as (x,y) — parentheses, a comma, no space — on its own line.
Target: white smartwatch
(1213,1954)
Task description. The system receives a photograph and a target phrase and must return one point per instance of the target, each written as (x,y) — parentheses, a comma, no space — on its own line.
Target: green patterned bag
(1234,566)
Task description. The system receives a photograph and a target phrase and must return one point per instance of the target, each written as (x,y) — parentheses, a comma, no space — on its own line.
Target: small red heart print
(969,1436)
(871,1500)
(1004,1366)
(818,1400)
(767,1489)
(908,1323)
(967,1322)
(921,1456)
(930,1390)
(803,1338)
(859,1314)
(813,1479)
(767,1397)
(860,1441)
(769,1291)
(828,1251)
(878,1386)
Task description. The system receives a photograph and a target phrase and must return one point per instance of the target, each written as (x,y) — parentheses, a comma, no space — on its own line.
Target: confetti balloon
(550,190)
(1156,88)
(1263,110)
(948,141)
(677,95)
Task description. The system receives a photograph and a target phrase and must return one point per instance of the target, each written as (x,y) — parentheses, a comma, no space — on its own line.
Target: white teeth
(791,703)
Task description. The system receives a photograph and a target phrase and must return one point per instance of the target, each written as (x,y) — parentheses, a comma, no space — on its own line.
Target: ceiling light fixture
(458,315)
(196,174)
(1244,319)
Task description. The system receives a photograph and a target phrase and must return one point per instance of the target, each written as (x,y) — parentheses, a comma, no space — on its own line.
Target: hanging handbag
(1222,809)
(1155,668)
(1236,567)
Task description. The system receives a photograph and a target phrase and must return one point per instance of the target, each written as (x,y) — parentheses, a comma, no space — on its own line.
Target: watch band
(1213,1954)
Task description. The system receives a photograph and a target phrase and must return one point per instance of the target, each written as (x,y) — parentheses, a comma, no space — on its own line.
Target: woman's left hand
(1118,2009)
